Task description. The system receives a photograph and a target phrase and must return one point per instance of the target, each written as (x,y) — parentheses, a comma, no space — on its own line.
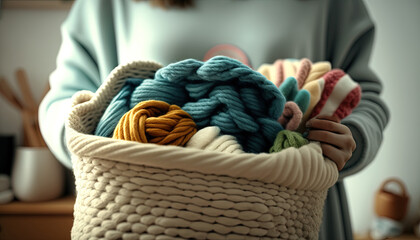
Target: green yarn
(286,139)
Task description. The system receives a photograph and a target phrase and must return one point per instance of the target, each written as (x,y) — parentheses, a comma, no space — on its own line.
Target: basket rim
(302,168)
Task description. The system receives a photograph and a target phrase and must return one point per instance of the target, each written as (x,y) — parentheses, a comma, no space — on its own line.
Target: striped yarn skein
(156,122)
(335,94)
(339,97)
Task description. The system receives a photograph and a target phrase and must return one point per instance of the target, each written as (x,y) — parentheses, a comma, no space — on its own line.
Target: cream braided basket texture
(130,190)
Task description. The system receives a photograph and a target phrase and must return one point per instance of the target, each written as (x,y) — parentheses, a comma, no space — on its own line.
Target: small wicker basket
(131,190)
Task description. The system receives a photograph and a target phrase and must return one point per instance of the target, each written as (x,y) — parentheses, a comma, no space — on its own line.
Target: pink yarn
(291,116)
(303,71)
(278,68)
(349,103)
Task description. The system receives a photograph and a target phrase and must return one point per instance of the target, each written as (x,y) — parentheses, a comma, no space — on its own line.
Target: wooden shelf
(402,237)
(59,206)
(38,220)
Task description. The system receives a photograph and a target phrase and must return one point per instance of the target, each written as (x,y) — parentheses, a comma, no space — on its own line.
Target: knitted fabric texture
(280,70)
(289,88)
(273,72)
(288,69)
(291,116)
(209,138)
(315,89)
(220,92)
(156,122)
(158,203)
(286,139)
(119,105)
(339,97)
(265,69)
(296,68)
(303,70)
(318,70)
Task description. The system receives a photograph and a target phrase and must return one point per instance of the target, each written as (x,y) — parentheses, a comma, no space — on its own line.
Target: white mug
(36,175)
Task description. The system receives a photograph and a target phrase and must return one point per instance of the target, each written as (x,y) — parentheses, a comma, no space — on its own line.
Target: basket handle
(81,97)
(398,182)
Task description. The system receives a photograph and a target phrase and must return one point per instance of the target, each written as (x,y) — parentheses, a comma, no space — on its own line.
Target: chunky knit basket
(131,190)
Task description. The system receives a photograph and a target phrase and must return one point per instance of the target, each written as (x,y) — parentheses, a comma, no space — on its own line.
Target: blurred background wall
(395,59)
(30,38)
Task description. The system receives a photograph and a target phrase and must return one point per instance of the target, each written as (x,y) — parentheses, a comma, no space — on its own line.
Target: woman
(98,35)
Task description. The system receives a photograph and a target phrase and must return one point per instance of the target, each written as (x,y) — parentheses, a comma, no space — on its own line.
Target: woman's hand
(336,140)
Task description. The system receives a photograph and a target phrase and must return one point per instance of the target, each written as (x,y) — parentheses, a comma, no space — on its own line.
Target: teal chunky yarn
(286,139)
(220,92)
(118,106)
(131,94)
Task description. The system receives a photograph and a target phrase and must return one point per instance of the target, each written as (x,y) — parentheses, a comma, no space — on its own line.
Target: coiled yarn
(286,139)
(291,116)
(129,96)
(156,122)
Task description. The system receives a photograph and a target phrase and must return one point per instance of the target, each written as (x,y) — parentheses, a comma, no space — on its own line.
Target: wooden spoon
(7,92)
(28,99)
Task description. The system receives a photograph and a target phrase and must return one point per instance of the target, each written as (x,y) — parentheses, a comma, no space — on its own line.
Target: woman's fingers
(336,155)
(336,139)
(327,123)
(344,142)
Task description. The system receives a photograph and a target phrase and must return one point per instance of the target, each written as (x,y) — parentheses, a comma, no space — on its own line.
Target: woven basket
(131,190)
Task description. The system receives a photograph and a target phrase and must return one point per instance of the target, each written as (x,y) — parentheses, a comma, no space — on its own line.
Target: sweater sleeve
(86,56)
(349,48)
